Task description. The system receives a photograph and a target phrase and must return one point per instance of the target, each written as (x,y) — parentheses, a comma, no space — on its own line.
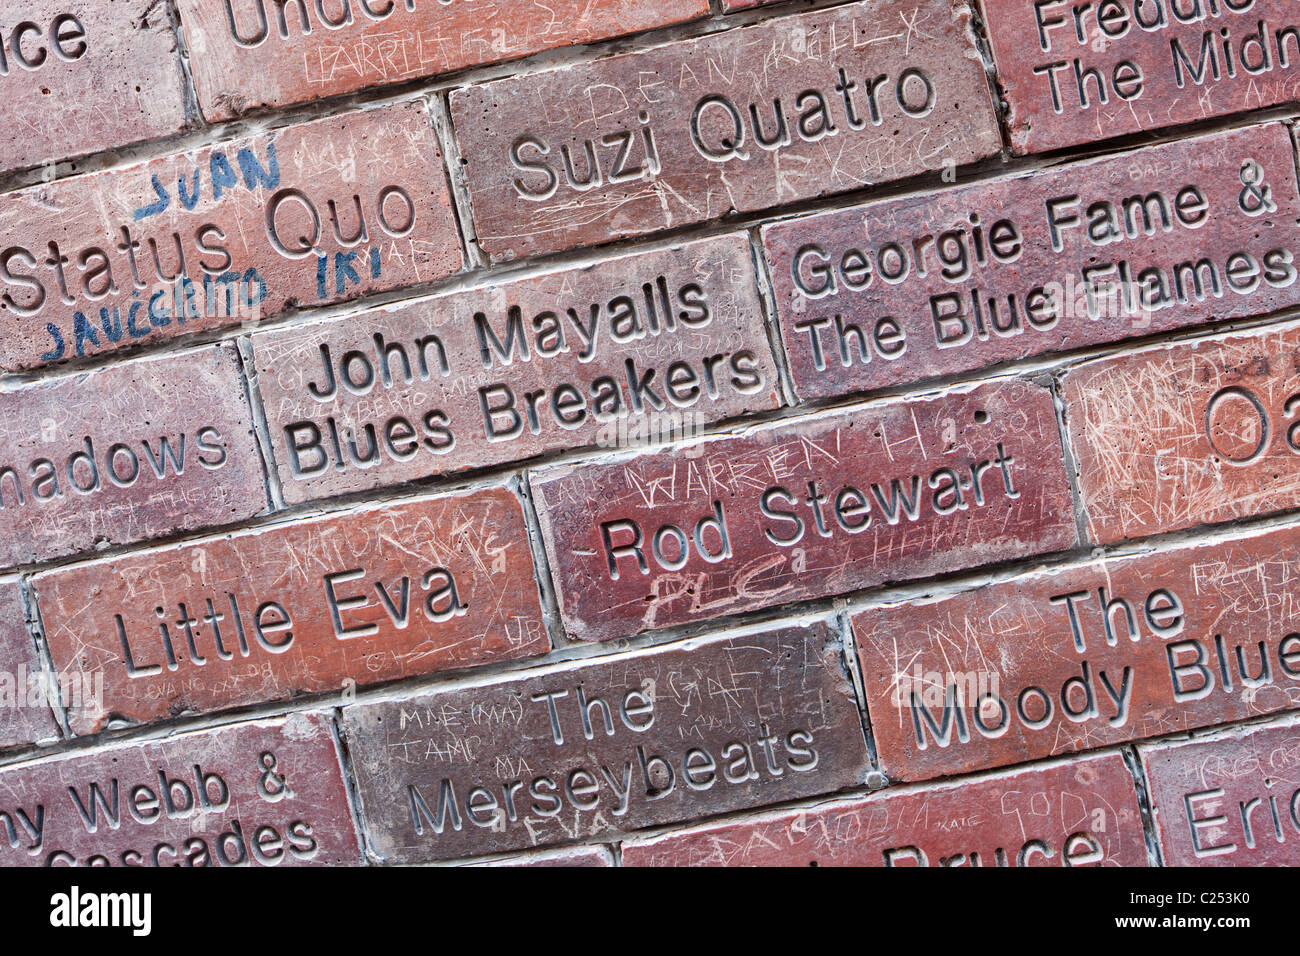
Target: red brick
(28,718)
(1187,434)
(1071,814)
(415,39)
(1053,288)
(1022,507)
(456,572)
(1149,76)
(1228,800)
(103,76)
(730,5)
(120,296)
(1167,661)
(642,104)
(716,348)
(178,798)
(531,760)
(50,431)
(578,856)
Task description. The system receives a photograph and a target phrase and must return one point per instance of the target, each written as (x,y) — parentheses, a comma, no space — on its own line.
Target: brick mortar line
(44,660)
(1146,806)
(1073,474)
(462,205)
(247,371)
(193,115)
(355,810)
(874,778)
(541,564)
(771,319)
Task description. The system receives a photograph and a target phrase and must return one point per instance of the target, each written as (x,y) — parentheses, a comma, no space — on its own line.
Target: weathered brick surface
(647,347)
(81,76)
(1232,799)
(880,295)
(730,5)
(27,714)
(1176,436)
(646,141)
(126,453)
(1076,72)
(696,729)
(267,793)
(1083,813)
(223,235)
(244,57)
(1105,652)
(822,506)
(577,856)
(315,605)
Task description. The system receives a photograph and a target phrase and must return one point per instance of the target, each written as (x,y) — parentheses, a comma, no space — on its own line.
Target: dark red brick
(634,114)
(1032,666)
(1071,814)
(1232,799)
(871,459)
(459,397)
(1023,285)
(706,726)
(348,599)
(24,694)
(245,65)
(81,76)
(138,414)
(1076,72)
(1193,433)
(250,242)
(265,793)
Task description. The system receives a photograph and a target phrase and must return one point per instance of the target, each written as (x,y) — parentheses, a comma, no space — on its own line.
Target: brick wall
(646,432)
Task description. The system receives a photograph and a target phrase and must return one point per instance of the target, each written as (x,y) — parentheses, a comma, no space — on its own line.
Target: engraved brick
(264,793)
(81,76)
(865,93)
(576,751)
(316,213)
(1187,434)
(311,606)
(934,284)
(28,718)
(1101,653)
(126,453)
(1082,813)
(1232,799)
(246,55)
(1074,73)
(641,348)
(792,511)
